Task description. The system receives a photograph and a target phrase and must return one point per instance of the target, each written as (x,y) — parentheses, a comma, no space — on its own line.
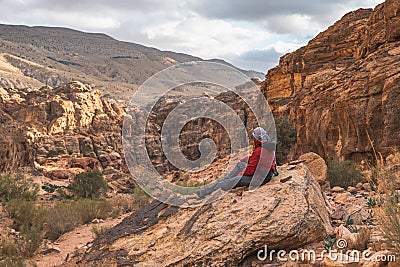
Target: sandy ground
(70,242)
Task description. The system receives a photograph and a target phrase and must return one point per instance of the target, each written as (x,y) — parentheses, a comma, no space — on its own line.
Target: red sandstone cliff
(343,88)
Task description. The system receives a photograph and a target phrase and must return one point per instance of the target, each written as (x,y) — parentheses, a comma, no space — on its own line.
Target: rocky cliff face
(342,89)
(61,131)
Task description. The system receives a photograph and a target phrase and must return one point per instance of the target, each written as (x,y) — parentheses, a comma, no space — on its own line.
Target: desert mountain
(56,56)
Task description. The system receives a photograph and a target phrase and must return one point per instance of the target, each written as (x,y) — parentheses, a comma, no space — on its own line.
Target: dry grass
(67,215)
(388,214)
(98,231)
(343,174)
(122,204)
(61,219)
(10,254)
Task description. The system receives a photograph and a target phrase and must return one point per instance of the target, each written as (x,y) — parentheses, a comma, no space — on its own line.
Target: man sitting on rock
(261,165)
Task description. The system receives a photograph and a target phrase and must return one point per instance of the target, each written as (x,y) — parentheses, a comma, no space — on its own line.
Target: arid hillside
(56,56)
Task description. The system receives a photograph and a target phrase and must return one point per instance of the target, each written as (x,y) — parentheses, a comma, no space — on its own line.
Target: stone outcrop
(341,89)
(288,212)
(56,129)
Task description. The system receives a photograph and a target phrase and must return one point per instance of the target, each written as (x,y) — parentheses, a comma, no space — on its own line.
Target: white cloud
(294,24)
(206,38)
(284,47)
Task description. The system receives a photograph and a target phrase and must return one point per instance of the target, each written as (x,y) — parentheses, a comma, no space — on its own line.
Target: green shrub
(17,187)
(25,214)
(88,185)
(343,174)
(286,138)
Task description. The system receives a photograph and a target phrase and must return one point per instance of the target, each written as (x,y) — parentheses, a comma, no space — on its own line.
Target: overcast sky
(251,34)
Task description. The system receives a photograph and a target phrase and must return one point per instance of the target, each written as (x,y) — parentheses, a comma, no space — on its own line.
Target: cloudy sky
(250,34)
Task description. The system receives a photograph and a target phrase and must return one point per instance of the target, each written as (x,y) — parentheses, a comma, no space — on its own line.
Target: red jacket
(263,153)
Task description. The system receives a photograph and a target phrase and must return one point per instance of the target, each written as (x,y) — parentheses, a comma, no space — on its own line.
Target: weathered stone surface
(87,164)
(342,88)
(59,174)
(317,166)
(60,128)
(280,215)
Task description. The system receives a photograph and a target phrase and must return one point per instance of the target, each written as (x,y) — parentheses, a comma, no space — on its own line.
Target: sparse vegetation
(286,138)
(388,214)
(140,197)
(89,185)
(121,204)
(343,174)
(350,225)
(17,187)
(371,202)
(25,214)
(67,215)
(10,254)
(28,220)
(98,231)
(329,242)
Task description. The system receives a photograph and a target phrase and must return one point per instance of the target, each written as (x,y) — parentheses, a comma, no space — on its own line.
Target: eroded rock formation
(65,129)
(342,89)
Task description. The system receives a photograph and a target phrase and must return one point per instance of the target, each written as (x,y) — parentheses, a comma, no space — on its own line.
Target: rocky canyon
(62,114)
(342,88)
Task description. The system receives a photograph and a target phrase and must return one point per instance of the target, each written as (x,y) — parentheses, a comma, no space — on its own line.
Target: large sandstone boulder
(287,213)
(317,167)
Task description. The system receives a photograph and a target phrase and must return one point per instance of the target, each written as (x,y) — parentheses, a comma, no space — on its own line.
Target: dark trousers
(233,180)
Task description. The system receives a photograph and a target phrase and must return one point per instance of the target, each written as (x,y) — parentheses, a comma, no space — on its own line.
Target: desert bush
(89,210)
(61,219)
(343,174)
(286,138)
(89,185)
(25,214)
(31,240)
(98,231)
(28,220)
(17,187)
(10,255)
